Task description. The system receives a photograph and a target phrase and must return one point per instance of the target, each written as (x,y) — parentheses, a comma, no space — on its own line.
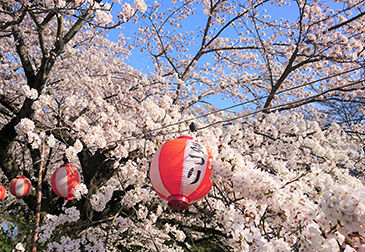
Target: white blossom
(72,151)
(79,190)
(19,247)
(101,198)
(30,93)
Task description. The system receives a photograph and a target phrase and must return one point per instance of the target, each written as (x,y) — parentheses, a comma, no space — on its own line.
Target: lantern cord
(64,204)
(21,171)
(271,109)
(265,96)
(65,159)
(40,160)
(70,167)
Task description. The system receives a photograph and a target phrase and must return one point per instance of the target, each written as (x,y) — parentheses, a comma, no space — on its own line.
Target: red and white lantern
(64,179)
(180,172)
(20,187)
(2,192)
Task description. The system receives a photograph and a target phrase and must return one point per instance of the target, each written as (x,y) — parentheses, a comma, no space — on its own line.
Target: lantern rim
(185,137)
(178,202)
(66,165)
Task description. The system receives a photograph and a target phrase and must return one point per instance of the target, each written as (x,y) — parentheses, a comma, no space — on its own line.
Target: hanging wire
(282,106)
(272,109)
(254,100)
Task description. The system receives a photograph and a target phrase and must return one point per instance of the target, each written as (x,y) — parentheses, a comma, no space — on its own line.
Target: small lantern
(64,179)
(2,192)
(20,187)
(180,172)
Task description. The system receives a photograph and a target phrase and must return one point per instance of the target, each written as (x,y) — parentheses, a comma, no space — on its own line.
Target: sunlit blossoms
(51,222)
(345,205)
(25,126)
(79,190)
(30,93)
(127,12)
(101,198)
(19,247)
(73,150)
(140,5)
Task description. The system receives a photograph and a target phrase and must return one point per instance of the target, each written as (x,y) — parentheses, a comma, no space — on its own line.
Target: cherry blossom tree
(286,176)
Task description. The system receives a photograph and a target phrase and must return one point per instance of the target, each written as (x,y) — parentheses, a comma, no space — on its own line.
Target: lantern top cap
(185,137)
(66,165)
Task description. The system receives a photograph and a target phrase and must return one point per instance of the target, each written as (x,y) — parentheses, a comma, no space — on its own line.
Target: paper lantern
(2,192)
(180,172)
(20,187)
(64,179)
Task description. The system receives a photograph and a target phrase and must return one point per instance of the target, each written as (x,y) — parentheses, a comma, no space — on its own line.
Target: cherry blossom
(287,170)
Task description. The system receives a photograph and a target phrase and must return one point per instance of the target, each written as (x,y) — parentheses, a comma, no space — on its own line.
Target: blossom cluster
(180,235)
(25,126)
(128,11)
(79,190)
(93,244)
(345,205)
(278,185)
(134,172)
(30,93)
(73,150)
(66,244)
(101,198)
(133,197)
(121,224)
(50,222)
(19,248)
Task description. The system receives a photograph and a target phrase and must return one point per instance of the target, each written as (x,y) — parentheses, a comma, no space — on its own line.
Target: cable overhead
(272,109)
(253,100)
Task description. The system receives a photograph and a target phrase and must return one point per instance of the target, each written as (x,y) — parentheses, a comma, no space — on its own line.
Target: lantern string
(40,160)
(263,97)
(271,109)
(70,168)
(21,171)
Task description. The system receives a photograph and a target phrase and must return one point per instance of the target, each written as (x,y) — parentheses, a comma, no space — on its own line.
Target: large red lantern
(20,187)
(2,192)
(64,179)
(180,172)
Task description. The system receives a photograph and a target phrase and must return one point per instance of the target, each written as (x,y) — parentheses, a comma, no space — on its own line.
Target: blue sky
(141,61)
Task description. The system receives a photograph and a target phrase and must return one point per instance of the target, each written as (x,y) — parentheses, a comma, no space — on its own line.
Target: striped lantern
(64,179)
(2,192)
(180,172)
(20,187)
